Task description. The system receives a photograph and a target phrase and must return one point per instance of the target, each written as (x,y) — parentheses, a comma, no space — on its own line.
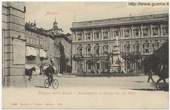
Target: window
(41,42)
(136,32)
(37,41)
(88,36)
(27,40)
(105,35)
(127,47)
(165,30)
(89,65)
(116,33)
(79,49)
(98,65)
(137,46)
(96,35)
(127,32)
(31,41)
(96,48)
(88,49)
(79,37)
(155,31)
(45,44)
(146,47)
(145,32)
(157,44)
(146,50)
(105,49)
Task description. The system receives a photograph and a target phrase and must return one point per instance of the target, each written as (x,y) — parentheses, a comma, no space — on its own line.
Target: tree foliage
(62,58)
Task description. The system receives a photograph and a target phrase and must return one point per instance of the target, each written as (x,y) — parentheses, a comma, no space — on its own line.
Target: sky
(45,13)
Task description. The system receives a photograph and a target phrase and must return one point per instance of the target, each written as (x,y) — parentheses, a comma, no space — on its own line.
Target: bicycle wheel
(46,83)
(55,83)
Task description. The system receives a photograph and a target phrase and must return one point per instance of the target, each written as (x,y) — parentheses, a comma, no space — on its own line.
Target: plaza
(88,92)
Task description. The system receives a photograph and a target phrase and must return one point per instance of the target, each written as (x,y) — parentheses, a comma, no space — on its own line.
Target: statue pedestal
(114,67)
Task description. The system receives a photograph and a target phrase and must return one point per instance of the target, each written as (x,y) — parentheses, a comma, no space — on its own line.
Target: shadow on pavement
(139,81)
(40,86)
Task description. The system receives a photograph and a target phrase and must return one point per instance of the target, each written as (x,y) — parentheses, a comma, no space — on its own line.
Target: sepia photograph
(85,55)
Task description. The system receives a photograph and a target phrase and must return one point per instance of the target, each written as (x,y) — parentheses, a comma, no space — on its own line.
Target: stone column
(101,33)
(151,31)
(14,44)
(122,29)
(141,31)
(160,28)
(132,34)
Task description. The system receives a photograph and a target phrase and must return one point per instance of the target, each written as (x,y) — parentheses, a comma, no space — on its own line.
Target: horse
(157,64)
(163,74)
(29,72)
(151,66)
(157,68)
(163,57)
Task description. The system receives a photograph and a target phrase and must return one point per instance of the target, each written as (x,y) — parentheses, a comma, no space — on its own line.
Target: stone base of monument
(114,68)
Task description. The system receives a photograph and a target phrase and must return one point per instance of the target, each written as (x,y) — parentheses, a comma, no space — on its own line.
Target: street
(130,82)
(87,92)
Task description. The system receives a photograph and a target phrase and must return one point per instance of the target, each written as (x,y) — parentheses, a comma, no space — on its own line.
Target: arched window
(146,47)
(137,46)
(155,31)
(105,35)
(127,32)
(88,36)
(105,49)
(88,49)
(96,48)
(97,35)
(145,31)
(157,44)
(79,48)
(79,36)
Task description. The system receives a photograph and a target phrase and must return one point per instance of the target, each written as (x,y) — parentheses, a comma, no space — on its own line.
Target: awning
(30,51)
(43,53)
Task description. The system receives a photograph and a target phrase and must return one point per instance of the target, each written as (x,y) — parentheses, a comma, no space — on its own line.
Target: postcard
(85,55)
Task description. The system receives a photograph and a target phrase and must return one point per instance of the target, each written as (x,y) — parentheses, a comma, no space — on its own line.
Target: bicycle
(54,83)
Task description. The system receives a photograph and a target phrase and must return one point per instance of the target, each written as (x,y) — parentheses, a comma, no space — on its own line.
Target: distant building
(94,41)
(43,45)
(39,46)
(13,44)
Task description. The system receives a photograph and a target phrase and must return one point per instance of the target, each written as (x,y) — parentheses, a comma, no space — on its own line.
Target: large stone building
(93,42)
(13,43)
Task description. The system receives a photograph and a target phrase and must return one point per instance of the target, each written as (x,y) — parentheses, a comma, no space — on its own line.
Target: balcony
(90,56)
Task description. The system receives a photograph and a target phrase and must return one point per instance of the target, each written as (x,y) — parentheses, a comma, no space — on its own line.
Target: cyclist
(50,71)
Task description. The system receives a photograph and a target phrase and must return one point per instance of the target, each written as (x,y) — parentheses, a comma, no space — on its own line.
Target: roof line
(121,18)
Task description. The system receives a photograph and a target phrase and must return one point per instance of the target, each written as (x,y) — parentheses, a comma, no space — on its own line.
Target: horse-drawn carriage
(158,64)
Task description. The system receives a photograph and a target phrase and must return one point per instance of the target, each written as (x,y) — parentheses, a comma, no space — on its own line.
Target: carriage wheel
(46,83)
(55,83)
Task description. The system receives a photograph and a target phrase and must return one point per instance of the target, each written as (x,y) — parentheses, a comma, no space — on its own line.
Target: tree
(62,58)
(162,53)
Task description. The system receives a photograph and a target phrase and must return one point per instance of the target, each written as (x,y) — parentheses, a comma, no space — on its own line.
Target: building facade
(25,45)
(39,46)
(93,42)
(13,39)
(44,45)
(62,48)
